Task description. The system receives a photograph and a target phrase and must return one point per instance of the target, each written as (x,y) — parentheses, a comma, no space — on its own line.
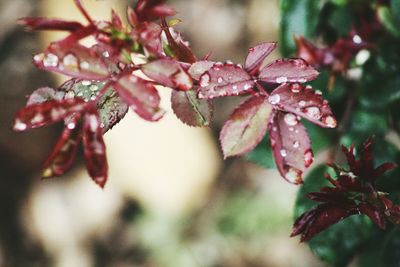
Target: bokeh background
(171,201)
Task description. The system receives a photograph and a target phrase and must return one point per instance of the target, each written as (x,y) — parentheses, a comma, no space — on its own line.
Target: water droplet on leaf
(274,99)
(281,79)
(290,119)
(50,60)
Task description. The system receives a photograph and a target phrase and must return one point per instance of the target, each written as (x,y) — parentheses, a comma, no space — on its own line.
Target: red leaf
(307,51)
(116,19)
(373,213)
(304,102)
(38,115)
(379,171)
(199,68)
(288,70)
(246,127)
(75,60)
(257,55)
(150,38)
(224,80)
(191,110)
(131,16)
(147,10)
(290,145)
(141,96)
(94,148)
(318,219)
(168,73)
(64,152)
(367,159)
(351,160)
(180,50)
(38,23)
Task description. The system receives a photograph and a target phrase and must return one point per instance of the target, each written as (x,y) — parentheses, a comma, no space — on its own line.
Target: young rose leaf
(224,80)
(199,68)
(191,110)
(38,115)
(64,152)
(179,49)
(168,73)
(288,70)
(131,17)
(94,148)
(318,219)
(291,146)
(147,10)
(116,19)
(141,96)
(74,60)
(246,126)
(44,94)
(304,102)
(257,55)
(150,38)
(38,23)
(373,213)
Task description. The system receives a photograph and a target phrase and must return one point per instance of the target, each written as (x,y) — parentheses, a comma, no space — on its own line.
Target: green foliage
(299,17)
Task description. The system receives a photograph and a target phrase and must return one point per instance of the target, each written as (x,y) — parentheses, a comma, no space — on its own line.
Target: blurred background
(171,201)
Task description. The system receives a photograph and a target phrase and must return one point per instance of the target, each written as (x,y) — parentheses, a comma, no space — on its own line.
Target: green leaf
(340,242)
(262,154)
(298,17)
(388,21)
(382,250)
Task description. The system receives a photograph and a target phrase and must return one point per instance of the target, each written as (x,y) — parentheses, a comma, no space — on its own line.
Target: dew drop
(296,88)
(234,88)
(313,112)
(308,87)
(247,86)
(38,57)
(106,54)
(296,144)
(281,79)
(330,122)
(318,92)
(274,99)
(290,119)
(357,39)
(71,125)
(302,103)
(93,88)
(19,125)
(93,123)
(86,83)
(293,175)
(239,66)
(50,60)
(274,129)
(37,119)
(302,80)
(205,80)
(228,62)
(70,60)
(85,65)
(70,95)
(283,153)
(308,158)
(220,80)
